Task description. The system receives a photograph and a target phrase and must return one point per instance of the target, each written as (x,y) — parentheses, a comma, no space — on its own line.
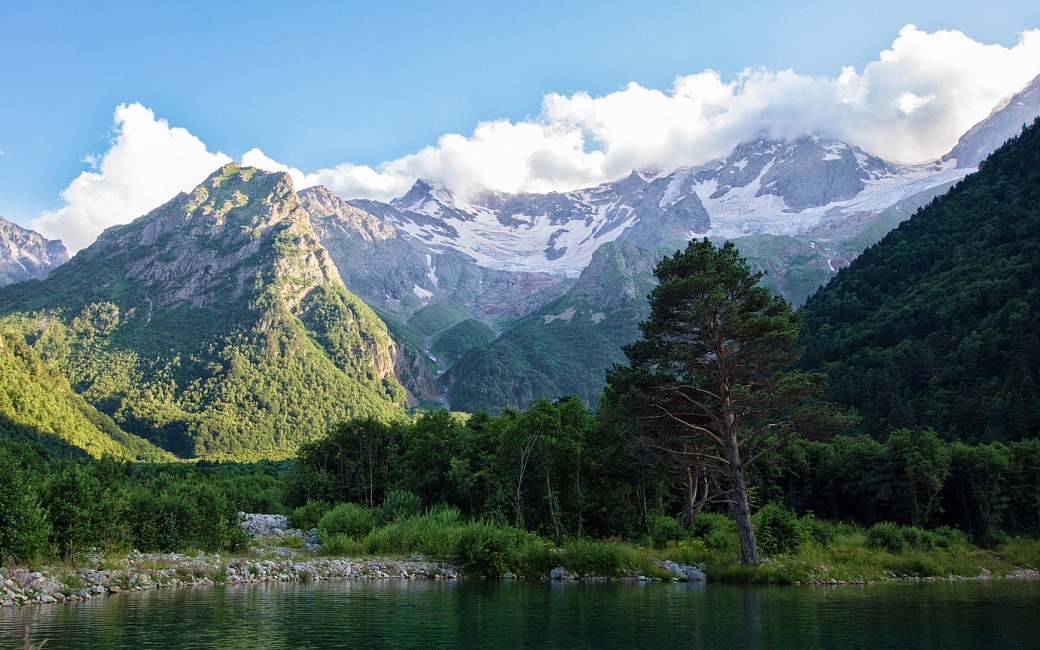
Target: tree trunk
(742,510)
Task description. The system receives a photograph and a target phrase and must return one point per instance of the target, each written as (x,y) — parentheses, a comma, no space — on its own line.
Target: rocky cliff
(26,254)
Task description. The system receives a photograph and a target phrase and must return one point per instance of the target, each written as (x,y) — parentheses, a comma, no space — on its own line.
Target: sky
(108,109)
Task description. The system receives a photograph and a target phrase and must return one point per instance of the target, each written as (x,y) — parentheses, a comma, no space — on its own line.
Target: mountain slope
(939,323)
(215,326)
(565,347)
(1005,122)
(37,404)
(25,254)
(419,291)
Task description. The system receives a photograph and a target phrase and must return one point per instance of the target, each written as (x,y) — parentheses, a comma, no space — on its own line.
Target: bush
(664,529)
(886,535)
(777,530)
(589,557)
(342,545)
(399,504)
(308,515)
(817,530)
(486,550)
(718,532)
(348,519)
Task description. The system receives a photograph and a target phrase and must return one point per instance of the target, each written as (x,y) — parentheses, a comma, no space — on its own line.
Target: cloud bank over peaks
(147,164)
(911,104)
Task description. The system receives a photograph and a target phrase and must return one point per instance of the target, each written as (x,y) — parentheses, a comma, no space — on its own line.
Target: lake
(535,614)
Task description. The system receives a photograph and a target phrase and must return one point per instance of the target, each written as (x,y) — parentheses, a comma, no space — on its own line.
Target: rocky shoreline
(274,539)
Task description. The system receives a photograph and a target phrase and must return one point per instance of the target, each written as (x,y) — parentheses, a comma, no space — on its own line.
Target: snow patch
(421,293)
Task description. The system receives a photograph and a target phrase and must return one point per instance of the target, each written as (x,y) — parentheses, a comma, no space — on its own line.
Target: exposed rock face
(807,173)
(403,275)
(207,248)
(1004,123)
(26,254)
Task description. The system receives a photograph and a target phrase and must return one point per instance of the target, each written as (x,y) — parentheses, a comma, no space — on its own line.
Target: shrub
(777,529)
(594,557)
(718,532)
(342,545)
(818,530)
(308,515)
(664,529)
(347,518)
(886,535)
(486,550)
(399,504)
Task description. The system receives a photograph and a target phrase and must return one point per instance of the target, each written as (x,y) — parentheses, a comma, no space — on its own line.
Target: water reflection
(525,614)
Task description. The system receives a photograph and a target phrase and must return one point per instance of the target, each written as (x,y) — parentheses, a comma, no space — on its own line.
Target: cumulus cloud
(147,164)
(909,105)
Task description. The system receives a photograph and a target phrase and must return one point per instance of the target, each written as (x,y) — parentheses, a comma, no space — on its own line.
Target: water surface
(537,614)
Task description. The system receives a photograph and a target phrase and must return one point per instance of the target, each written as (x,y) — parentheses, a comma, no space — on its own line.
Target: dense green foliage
(38,405)
(76,508)
(938,325)
(709,389)
(565,347)
(551,469)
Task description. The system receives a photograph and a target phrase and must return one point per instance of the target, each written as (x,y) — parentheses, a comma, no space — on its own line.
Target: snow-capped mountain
(765,186)
(555,232)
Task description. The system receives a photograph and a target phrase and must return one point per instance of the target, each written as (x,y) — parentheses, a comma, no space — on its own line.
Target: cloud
(147,164)
(909,105)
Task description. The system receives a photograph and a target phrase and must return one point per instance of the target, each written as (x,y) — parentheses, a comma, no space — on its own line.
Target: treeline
(560,470)
(77,508)
(557,470)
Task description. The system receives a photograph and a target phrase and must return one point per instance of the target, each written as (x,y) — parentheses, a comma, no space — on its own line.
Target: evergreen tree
(709,386)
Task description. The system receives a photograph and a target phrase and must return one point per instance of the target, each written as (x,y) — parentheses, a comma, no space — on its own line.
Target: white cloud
(909,105)
(147,164)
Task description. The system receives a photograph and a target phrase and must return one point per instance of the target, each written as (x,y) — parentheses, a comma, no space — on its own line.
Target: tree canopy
(709,388)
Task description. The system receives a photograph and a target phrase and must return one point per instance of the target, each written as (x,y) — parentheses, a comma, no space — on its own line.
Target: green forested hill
(215,326)
(939,323)
(37,405)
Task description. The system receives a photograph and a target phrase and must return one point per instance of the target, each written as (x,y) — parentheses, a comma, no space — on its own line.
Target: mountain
(939,323)
(765,186)
(25,254)
(565,347)
(1003,123)
(420,291)
(215,326)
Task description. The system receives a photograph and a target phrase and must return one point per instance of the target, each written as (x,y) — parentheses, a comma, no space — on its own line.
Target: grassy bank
(796,549)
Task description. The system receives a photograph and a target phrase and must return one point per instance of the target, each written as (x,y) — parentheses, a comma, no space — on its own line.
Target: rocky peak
(1003,123)
(336,214)
(25,254)
(241,231)
(807,172)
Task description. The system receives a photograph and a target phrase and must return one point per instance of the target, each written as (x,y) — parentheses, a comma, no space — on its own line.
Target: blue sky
(320,84)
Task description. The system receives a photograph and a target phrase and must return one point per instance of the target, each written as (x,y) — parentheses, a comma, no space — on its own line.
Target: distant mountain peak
(26,254)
